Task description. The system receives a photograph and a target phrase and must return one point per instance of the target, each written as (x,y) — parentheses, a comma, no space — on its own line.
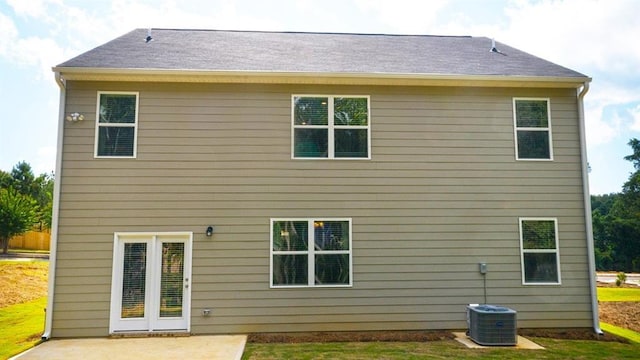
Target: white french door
(150,288)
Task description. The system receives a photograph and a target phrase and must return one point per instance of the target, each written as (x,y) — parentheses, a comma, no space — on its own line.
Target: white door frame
(151,321)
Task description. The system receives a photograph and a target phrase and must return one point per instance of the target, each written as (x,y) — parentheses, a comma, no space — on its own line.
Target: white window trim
(330,127)
(548,251)
(310,254)
(99,125)
(548,128)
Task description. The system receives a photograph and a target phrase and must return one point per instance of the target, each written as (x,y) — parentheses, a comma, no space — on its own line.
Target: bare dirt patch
(570,334)
(351,336)
(613,285)
(624,314)
(22,281)
(416,336)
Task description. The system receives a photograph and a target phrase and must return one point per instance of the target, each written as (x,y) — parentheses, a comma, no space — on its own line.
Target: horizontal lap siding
(441,193)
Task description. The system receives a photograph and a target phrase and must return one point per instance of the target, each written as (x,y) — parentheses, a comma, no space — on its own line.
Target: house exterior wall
(441,193)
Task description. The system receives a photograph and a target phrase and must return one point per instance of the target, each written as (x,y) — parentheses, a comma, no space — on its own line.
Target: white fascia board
(200,76)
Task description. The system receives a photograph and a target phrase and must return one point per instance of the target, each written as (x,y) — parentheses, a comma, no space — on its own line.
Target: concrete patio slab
(523,343)
(218,347)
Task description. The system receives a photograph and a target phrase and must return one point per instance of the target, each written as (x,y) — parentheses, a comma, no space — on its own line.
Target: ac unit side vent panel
(492,325)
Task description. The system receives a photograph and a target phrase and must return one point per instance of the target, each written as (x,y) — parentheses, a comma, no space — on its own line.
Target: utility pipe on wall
(587,211)
(53,248)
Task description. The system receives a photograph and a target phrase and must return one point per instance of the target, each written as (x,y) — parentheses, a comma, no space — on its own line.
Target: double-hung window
(311,252)
(116,124)
(532,126)
(331,127)
(539,251)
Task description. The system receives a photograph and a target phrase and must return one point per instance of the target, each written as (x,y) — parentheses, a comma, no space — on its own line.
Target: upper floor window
(539,251)
(116,124)
(331,127)
(532,123)
(311,252)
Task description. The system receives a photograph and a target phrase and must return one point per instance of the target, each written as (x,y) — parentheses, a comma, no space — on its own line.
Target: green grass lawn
(619,294)
(625,333)
(445,349)
(21,326)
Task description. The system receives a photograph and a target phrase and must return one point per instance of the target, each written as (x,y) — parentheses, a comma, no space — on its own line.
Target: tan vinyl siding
(441,193)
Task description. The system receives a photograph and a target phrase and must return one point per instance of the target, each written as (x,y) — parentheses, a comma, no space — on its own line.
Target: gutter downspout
(587,211)
(53,247)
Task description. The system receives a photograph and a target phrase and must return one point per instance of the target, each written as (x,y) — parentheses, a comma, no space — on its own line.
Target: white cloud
(41,53)
(406,16)
(604,94)
(46,160)
(598,131)
(131,14)
(635,116)
(31,8)
(9,33)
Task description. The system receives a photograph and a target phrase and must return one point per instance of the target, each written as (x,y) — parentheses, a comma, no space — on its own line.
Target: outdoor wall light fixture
(209,230)
(75,117)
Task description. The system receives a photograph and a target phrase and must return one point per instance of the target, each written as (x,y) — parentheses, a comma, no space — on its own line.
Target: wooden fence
(31,240)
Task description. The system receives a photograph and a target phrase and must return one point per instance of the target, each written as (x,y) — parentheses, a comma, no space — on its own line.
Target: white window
(540,257)
(311,252)
(532,127)
(116,124)
(330,127)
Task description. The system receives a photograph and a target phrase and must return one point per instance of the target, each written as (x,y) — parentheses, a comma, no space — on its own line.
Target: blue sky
(597,38)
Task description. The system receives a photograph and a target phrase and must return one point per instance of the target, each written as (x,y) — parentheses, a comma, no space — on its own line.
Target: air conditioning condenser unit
(492,325)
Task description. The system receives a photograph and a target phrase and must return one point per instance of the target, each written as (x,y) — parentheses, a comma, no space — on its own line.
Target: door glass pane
(171,280)
(133,280)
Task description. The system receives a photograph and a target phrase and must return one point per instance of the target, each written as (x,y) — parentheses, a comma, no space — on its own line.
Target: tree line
(616,222)
(26,202)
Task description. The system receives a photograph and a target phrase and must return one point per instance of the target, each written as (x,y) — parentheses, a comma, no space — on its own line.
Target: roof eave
(325,78)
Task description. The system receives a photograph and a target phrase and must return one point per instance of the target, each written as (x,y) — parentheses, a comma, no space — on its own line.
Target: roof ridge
(308,32)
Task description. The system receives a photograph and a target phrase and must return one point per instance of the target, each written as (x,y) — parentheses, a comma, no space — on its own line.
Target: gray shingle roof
(255,51)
